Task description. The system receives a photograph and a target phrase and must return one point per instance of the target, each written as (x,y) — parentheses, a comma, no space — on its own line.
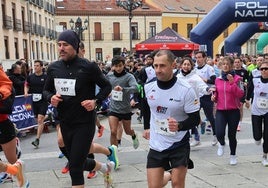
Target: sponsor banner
(22,113)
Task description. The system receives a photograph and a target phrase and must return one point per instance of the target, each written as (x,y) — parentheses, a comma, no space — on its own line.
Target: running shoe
(18,148)
(220,151)
(136,142)
(92,174)
(61,155)
(113,156)
(265,161)
(203,127)
(65,169)
(108,180)
(214,140)
(35,143)
(233,160)
(21,181)
(258,142)
(100,131)
(194,143)
(5,177)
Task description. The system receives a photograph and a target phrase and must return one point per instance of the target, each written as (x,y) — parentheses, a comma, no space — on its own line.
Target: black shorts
(121,116)
(7,131)
(169,159)
(40,107)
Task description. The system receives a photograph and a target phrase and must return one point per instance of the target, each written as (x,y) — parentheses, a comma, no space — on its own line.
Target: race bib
(36,97)
(262,103)
(117,95)
(162,128)
(65,86)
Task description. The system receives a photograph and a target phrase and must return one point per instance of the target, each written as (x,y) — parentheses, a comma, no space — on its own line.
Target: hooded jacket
(228,94)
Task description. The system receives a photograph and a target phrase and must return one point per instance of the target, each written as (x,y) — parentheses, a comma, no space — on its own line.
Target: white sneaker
(233,160)
(265,162)
(220,151)
(214,141)
(257,142)
(194,143)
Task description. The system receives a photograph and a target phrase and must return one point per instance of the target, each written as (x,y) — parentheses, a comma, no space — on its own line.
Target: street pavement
(43,167)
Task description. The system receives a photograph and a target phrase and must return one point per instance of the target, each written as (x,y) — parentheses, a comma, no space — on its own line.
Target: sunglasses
(264,68)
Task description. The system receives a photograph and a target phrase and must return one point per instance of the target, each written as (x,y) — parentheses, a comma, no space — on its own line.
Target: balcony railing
(117,36)
(98,36)
(136,36)
(7,22)
(26,27)
(18,26)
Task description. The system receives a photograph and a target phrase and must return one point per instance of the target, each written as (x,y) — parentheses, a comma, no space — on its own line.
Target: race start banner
(22,113)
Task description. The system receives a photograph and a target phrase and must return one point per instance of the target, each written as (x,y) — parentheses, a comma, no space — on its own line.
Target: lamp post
(78,26)
(129,5)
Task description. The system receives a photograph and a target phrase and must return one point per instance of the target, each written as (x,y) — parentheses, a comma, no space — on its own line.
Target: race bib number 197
(65,86)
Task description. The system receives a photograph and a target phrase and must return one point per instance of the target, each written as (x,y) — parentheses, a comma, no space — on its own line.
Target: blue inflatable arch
(223,15)
(240,35)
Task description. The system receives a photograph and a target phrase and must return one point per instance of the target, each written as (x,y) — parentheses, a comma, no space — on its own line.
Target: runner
(34,85)
(174,110)
(70,86)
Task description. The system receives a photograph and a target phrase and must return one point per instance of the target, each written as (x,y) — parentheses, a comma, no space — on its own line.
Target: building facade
(27,31)
(106,32)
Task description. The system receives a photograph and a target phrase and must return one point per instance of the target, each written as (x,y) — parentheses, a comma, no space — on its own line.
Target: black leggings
(77,140)
(207,105)
(259,131)
(230,117)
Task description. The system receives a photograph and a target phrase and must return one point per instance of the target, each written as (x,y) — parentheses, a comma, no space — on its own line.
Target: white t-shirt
(175,102)
(260,99)
(206,72)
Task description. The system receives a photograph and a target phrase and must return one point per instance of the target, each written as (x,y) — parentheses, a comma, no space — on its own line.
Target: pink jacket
(228,95)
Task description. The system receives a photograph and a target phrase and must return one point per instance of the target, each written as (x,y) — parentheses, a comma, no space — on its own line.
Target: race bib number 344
(65,86)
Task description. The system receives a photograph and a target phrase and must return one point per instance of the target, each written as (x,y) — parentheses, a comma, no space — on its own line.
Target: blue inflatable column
(241,34)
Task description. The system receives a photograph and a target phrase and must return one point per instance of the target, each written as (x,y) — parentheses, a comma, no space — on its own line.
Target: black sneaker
(36,143)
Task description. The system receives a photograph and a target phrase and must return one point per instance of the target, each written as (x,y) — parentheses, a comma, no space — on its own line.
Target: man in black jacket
(70,86)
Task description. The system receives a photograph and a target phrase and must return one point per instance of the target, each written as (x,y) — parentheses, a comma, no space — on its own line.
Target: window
(134,31)
(152,29)
(3,7)
(14,15)
(175,27)
(33,50)
(189,28)
(97,28)
(25,49)
(6,47)
(64,25)
(42,50)
(23,18)
(48,51)
(16,46)
(116,31)
(99,54)
(37,50)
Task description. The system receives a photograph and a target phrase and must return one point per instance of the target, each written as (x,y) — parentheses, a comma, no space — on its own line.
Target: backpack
(7,104)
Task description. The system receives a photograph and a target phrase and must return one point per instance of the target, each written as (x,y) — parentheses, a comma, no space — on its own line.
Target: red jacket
(228,94)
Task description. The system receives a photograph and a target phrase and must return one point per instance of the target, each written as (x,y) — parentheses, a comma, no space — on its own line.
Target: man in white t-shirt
(174,110)
(207,73)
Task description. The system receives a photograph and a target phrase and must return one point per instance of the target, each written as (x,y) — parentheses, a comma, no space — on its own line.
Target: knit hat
(71,38)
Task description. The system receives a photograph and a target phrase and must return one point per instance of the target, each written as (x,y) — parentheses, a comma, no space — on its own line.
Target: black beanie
(71,38)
